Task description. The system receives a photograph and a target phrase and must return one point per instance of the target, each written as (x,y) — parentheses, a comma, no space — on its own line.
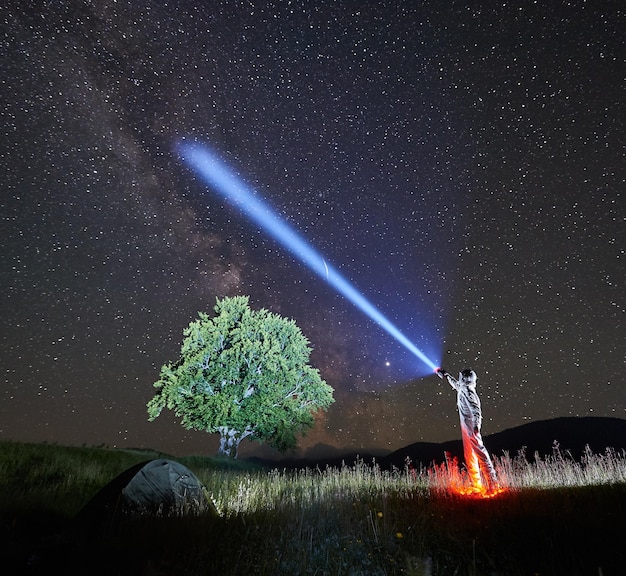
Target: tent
(156,487)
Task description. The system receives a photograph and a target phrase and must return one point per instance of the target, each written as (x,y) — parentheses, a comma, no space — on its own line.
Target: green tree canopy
(243,374)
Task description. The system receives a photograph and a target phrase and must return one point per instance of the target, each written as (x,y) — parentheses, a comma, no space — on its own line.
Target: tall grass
(560,469)
(237,493)
(557,515)
(59,479)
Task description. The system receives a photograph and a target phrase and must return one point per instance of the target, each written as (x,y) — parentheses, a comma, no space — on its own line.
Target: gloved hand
(441,373)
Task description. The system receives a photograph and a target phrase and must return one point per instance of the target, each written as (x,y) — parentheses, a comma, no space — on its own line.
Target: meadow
(555,515)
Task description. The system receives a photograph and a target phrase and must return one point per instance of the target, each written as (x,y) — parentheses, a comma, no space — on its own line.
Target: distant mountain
(571,434)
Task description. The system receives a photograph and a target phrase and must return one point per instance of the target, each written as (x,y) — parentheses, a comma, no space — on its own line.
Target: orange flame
(448,477)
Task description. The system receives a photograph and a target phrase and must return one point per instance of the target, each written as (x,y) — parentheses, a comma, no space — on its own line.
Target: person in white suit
(477,457)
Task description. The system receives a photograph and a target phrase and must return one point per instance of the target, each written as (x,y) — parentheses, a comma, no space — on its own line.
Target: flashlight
(441,372)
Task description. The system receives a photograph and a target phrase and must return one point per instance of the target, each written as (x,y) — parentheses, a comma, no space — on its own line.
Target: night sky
(461,165)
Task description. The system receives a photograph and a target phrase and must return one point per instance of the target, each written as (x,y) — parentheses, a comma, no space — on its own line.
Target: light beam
(216,174)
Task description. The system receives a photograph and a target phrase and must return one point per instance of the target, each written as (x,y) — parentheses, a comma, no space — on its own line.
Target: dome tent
(87,543)
(155,487)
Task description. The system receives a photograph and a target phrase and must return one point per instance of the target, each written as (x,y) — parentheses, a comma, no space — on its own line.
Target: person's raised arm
(443,374)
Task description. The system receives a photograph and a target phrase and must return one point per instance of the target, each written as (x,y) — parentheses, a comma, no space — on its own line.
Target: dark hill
(571,434)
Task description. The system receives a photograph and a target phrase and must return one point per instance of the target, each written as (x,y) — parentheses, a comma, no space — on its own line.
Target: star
(459,167)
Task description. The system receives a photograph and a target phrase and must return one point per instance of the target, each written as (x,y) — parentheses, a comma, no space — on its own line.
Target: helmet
(468,376)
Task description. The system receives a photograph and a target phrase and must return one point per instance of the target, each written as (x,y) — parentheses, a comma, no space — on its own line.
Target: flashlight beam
(215,173)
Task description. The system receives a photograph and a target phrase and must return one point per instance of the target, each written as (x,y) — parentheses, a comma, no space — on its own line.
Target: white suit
(477,458)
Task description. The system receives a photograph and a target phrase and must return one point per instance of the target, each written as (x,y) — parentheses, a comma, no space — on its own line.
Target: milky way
(462,165)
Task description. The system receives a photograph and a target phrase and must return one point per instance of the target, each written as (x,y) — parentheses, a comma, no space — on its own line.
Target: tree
(243,374)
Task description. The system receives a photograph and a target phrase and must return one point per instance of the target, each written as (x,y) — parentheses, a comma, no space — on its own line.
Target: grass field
(555,516)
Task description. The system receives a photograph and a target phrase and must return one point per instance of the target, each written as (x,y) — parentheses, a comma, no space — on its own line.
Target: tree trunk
(230,440)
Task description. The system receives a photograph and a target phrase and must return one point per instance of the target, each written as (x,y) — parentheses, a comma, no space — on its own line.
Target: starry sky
(460,163)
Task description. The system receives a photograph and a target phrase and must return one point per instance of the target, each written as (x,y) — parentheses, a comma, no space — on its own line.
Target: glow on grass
(448,477)
(222,179)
